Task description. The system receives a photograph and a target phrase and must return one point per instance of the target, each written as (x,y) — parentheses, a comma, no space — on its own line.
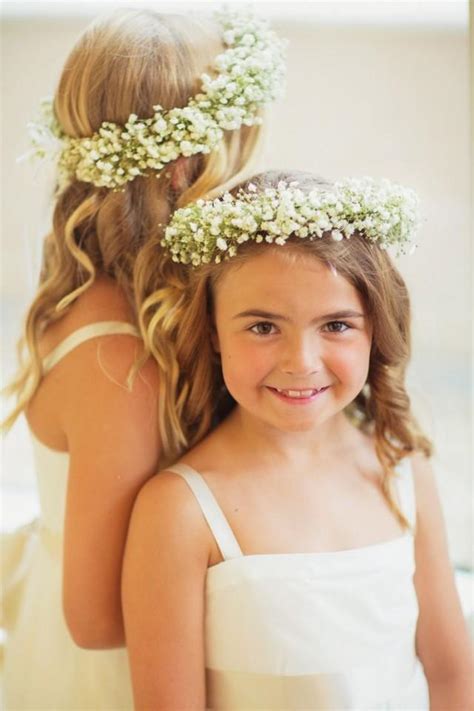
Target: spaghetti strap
(405,487)
(211,510)
(92,330)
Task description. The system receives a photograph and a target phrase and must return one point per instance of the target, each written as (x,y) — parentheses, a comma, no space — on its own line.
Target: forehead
(280,280)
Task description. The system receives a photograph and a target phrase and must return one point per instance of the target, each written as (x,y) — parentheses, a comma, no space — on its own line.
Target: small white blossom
(385,214)
(250,74)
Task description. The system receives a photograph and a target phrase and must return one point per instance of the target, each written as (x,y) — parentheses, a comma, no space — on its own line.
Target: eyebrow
(335,316)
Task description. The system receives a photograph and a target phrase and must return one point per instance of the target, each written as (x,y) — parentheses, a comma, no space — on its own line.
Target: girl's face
(294,339)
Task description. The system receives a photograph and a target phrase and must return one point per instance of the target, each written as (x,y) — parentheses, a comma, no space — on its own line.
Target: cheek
(243,363)
(351,363)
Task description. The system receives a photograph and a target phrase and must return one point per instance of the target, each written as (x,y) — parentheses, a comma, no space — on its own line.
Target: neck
(268,444)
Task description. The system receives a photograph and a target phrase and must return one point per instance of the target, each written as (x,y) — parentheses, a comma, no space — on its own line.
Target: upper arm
(113,442)
(163,589)
(442,639)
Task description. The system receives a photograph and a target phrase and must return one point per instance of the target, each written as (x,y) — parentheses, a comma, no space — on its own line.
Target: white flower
(250,74)
(389,217)
(186,148)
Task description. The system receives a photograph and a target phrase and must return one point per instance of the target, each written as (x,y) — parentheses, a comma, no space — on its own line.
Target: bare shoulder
(104,300)
(431,536)
(95,381)
(109,357)
(163,595)
(167,510)
(429,512)
(166,490)
(425,485)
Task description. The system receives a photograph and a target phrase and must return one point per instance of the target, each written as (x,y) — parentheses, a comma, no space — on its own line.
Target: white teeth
(297,393)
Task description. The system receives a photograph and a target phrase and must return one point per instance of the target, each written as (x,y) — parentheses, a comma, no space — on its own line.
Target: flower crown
(209,231)
(250,74)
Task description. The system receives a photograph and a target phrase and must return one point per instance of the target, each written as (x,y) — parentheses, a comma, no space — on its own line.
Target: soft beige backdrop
(382,100)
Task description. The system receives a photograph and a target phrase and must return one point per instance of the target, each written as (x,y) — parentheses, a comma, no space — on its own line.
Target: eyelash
(338,323)
(253,329)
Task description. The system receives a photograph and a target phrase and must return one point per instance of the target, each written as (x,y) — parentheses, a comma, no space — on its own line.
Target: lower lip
(298,400)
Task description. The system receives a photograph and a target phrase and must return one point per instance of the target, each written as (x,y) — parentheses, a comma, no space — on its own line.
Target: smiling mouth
(299,394)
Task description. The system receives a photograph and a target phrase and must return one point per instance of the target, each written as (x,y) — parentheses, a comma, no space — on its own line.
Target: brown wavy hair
(193,399)
(124,63)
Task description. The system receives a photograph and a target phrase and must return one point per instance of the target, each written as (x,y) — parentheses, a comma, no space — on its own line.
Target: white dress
(311,630)
(44,668)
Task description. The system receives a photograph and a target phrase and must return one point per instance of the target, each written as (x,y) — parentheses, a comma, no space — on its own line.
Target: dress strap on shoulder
(211,510)
(92,330)
(405,487)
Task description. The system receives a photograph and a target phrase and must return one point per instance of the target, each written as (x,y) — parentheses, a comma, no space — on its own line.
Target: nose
(301,356)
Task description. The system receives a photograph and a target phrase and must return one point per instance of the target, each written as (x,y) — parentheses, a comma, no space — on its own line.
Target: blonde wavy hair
(179,321)
(124,63)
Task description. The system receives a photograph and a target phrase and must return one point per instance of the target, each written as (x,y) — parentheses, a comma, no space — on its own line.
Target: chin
(295,427)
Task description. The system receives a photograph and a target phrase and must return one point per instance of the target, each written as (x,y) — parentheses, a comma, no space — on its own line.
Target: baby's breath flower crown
(249,74)
(208,231)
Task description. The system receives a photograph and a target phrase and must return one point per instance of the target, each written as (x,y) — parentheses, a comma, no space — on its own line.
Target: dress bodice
(331,630)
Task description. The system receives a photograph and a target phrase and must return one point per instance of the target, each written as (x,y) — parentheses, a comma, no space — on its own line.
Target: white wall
(375,100)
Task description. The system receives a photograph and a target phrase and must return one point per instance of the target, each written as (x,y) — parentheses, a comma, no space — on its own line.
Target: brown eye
(263,328)
(337,326)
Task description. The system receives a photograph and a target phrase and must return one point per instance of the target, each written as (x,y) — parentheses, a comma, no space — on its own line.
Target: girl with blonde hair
(151,111)
(295,556)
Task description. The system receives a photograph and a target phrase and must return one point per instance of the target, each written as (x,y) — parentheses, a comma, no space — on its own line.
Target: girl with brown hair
(151,111)
(295,556)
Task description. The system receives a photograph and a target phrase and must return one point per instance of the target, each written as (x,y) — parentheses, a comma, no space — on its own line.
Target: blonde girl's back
(88,384)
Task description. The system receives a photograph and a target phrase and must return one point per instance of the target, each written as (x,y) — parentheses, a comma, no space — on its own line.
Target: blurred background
(374,88)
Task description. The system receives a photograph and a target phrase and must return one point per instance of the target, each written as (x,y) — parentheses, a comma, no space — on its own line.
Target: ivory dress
(44,668)
(311,630)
